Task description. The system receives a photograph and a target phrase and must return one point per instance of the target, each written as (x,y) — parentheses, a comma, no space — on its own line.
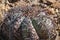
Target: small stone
(43,5)
(56,5)
(57,11)
(52,1)
(50,10)
(12,1)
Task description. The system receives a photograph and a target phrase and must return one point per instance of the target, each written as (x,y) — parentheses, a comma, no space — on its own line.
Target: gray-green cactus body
(45,27)
(17,26)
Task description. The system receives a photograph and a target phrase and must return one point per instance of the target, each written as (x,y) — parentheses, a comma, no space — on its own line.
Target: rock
(12,1)
(43,5)
(56,5)
(51,1)
(58,0)
(51,11)
(48,2)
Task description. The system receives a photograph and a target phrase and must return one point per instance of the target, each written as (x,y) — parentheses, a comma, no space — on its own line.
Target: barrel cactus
(27,24)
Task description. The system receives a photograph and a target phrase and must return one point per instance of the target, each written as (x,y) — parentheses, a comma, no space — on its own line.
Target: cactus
(17,26)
